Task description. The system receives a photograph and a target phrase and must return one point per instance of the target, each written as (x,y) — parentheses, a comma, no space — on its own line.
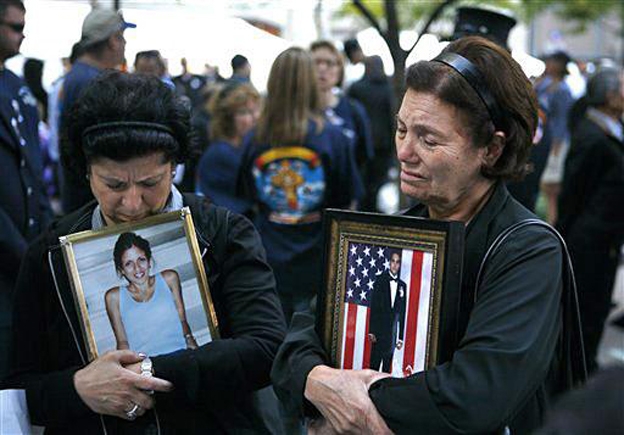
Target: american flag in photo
(366,262)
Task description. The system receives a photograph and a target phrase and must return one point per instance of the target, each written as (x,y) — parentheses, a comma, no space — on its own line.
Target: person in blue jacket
(296,164)
(24,207)
(340,110)
(234,111)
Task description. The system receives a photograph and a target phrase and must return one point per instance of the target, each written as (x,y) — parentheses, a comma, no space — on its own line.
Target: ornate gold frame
(342,228)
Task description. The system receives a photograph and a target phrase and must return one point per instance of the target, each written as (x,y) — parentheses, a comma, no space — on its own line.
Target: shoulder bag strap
(572,355)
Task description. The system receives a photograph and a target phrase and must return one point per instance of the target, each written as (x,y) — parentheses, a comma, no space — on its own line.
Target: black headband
(127,124)
(475,79)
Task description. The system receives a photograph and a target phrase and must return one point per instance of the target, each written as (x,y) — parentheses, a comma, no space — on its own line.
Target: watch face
(146,367)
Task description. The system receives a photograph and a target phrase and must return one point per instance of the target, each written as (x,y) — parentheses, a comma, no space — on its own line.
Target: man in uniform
(24,207)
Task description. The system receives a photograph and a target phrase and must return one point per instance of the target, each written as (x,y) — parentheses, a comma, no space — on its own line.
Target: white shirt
(394,285)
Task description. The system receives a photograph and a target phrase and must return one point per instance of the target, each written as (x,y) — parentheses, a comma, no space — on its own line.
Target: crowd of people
(474,140)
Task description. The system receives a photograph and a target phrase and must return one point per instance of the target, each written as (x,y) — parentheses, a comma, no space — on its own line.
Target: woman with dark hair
(127,306)
(127,134)
(234,112)
(295,165)
(465,126)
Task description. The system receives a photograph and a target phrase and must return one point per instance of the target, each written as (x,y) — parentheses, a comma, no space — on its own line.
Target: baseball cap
(100,24)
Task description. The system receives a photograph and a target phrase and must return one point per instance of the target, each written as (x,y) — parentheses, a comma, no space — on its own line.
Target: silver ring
(132,414)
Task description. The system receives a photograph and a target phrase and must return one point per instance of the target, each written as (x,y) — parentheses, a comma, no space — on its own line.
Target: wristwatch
(147,370)
(146,367)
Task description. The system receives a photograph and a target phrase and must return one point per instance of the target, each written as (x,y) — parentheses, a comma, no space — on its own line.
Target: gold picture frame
(106,306)
(389,279)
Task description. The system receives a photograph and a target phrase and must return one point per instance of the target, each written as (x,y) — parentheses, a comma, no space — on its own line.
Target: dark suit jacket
(384,317)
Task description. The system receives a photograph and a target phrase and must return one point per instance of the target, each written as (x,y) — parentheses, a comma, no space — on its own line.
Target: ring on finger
(132,414)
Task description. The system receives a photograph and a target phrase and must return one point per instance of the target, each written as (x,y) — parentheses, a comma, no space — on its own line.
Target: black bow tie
(394,279)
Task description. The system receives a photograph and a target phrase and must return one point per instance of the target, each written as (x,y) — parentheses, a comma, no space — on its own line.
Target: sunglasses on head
(16,27)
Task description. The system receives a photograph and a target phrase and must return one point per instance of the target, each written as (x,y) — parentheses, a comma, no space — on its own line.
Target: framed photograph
(391,295)
(141,286)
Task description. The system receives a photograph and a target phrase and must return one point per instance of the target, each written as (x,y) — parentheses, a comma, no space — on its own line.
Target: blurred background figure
(33,74)
(241,69)
(24,207)
(200,129)
(151,63)
(189,85)
(340,110)
(374,91)
(295,165)
(102,46)
(555,99)
(234,112)
(212,75)
(354,69)
(54,113)
(591,216)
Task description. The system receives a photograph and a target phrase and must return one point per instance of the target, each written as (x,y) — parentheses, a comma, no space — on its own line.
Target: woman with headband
(127,133)
(464,127)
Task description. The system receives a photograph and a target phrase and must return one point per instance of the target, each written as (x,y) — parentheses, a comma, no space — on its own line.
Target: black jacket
(213,385)
(505,367)
(590,209)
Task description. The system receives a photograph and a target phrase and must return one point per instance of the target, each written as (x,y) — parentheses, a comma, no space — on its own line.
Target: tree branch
(432,18)
(369,16)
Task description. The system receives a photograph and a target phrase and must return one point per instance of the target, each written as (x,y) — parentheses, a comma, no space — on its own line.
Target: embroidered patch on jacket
(291,182)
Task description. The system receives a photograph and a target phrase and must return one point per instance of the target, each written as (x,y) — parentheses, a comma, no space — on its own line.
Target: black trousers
(595,268)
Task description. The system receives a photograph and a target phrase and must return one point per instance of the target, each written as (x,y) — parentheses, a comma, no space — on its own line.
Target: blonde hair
(223,105)
(292,100)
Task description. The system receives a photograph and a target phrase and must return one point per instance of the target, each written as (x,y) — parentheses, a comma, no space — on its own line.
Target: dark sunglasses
(16,27)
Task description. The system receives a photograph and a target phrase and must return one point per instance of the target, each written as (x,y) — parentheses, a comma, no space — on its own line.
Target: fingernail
(142,355)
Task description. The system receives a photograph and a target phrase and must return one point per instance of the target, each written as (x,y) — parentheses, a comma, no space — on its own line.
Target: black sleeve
(504,355)
(365,150)
(252,315)
(50,393)
(299,354)
(583,170)
(346,182)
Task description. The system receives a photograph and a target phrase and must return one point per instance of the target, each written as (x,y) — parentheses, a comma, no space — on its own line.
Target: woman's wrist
(313,379)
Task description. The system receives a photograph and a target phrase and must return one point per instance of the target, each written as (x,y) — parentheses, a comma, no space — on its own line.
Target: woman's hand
(342,397)
(108,388)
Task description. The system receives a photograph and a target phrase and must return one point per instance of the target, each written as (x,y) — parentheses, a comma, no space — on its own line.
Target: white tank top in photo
(152,327)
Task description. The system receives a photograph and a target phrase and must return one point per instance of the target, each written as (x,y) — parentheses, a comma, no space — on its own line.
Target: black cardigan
(504,369)
(213,385)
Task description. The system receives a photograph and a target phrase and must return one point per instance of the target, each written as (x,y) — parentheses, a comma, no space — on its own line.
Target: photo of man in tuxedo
(387,315)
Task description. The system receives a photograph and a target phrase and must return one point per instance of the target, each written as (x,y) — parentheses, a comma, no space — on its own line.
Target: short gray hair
(601,84)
